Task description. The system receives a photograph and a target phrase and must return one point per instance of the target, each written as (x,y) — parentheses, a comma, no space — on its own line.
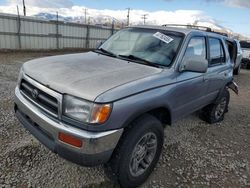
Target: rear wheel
(215,112)
(138,152)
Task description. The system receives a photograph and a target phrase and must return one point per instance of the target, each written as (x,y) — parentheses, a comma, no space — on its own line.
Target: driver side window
(196,47)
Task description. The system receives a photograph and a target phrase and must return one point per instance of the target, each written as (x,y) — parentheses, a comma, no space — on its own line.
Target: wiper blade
(144,61)
(103,51)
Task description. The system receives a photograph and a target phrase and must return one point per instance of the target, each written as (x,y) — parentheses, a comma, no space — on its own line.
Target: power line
(144,17)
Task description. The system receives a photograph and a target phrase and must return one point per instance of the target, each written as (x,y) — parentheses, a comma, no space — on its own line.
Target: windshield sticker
(163,37)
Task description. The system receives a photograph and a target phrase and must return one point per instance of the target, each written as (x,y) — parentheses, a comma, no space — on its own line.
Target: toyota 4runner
(109,106)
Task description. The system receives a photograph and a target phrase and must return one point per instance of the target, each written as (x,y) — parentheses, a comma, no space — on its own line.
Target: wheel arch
(162,113)
(226,86)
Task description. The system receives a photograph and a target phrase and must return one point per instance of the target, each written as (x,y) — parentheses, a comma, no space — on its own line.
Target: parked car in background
(110,106)
(245,45)
(238,60)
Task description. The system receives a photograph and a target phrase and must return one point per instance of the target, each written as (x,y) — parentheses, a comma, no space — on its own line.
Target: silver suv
(237,65)
(110,106)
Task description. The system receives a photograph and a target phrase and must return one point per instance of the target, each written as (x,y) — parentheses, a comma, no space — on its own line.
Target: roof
(185,31)
(176,29)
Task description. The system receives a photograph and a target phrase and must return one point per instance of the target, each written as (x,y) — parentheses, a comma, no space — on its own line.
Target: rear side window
(196,47)
(217,54)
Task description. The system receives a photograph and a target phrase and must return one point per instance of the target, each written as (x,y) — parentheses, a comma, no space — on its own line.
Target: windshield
(153,46)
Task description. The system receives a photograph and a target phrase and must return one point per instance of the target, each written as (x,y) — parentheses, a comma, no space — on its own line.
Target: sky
(232,14)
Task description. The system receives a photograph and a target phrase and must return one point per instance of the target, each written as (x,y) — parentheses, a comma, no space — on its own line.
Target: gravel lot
(195,153)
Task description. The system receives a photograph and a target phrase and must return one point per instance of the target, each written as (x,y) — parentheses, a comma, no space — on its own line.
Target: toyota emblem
(35,93)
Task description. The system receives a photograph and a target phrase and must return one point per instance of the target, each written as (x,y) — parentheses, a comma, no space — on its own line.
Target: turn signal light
(100,113)
(69,139)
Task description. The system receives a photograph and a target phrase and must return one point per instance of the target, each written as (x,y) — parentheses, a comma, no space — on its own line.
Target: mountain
(105,20)
(96,20)
(48,16)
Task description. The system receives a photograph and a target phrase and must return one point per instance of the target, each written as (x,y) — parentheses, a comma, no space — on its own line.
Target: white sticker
(163,37)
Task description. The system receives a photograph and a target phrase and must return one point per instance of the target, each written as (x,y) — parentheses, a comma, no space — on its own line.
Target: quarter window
(217,54)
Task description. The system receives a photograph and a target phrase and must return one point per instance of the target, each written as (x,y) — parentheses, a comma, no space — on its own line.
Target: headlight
(85,111)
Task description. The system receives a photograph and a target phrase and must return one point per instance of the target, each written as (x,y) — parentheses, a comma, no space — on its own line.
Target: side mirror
(99,43)
(194,64)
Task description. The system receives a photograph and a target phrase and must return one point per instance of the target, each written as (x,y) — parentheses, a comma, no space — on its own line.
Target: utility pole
(89,21)
(18,28)
(144,17)
(85,13)
(57,31)
(128,15)
(17,8)
(24,8)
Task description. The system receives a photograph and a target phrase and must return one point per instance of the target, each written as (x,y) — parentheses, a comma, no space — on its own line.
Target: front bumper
(97,147)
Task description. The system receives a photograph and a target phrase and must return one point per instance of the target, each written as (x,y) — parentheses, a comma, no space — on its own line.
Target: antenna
(144,17)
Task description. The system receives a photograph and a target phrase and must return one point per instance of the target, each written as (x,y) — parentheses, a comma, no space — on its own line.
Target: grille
(39,97)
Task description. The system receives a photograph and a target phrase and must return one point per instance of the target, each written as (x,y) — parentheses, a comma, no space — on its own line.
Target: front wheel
(138,152)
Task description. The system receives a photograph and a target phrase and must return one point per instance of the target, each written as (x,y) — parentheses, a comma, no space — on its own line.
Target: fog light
(69,139)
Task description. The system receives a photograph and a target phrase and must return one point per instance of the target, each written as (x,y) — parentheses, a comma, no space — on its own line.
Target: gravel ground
(195,153)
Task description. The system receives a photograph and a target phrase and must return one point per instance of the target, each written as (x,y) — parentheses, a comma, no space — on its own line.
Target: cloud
(44,3)
(106,15)
(155,17)
(233,3)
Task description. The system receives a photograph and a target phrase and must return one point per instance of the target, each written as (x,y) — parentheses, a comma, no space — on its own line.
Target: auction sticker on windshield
(163,37)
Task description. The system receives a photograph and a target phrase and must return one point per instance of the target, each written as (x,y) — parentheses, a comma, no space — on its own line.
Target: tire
(122,166)
(237,70)
(215,112)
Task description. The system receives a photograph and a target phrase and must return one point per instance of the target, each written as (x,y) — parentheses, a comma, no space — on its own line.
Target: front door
(191,87)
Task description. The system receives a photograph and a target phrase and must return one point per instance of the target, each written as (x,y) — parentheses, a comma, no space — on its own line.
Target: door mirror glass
(194,64)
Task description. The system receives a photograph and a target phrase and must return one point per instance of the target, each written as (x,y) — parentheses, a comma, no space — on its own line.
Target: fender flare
(141,112)
(230,85)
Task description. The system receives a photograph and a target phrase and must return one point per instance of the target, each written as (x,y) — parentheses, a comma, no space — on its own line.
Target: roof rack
(197,27)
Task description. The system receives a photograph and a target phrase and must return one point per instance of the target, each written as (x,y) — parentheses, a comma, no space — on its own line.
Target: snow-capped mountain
(108,20)
(48,16)
(100,20)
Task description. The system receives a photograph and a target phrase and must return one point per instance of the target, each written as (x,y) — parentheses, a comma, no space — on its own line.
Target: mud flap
(234,87)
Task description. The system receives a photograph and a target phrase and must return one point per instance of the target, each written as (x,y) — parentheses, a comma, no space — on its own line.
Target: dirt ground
(195,153)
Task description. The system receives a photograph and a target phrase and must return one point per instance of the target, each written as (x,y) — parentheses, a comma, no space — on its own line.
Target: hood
(86,75)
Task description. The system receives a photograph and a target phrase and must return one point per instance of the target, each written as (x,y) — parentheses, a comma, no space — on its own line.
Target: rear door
(218,70)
